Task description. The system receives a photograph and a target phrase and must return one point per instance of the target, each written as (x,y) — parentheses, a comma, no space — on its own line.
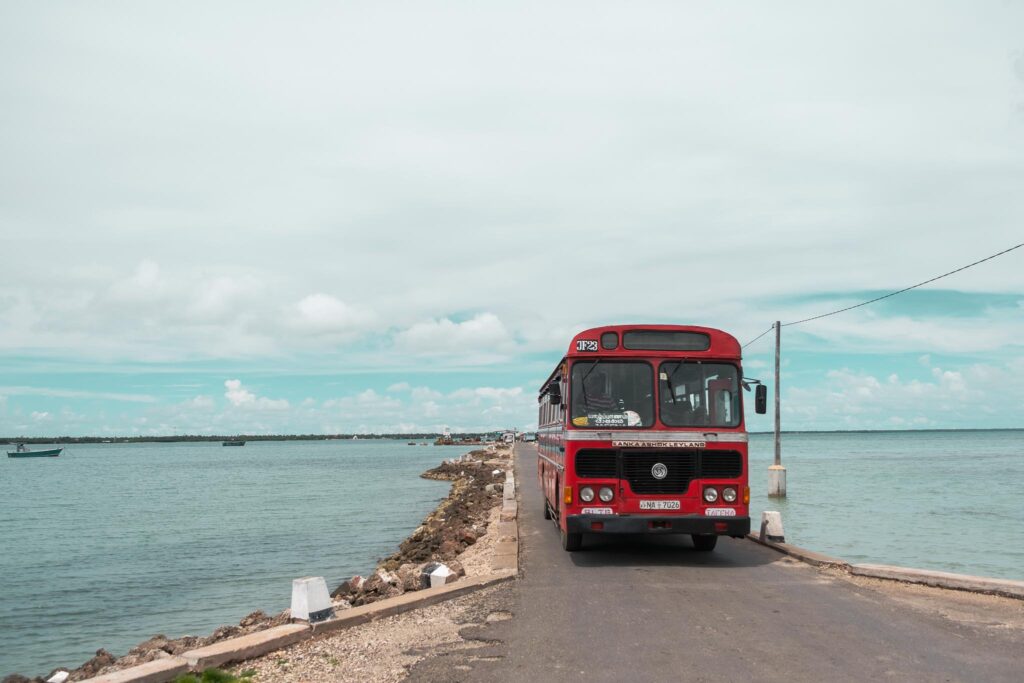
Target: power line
(758,337)
(907,289)
(886,296)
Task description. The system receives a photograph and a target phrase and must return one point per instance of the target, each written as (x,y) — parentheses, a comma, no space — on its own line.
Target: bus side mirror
(761,399)
(556,395)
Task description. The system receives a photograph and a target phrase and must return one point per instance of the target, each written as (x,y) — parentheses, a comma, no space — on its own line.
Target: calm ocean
(949,501)
(111,543)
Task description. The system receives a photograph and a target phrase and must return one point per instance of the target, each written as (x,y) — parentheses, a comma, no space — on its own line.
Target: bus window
(612,394)
(698,394)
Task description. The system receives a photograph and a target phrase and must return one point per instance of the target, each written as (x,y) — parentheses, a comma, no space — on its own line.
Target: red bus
(641,432)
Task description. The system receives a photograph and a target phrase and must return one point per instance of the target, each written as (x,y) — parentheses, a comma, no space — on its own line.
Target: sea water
(109,544)
(944,500)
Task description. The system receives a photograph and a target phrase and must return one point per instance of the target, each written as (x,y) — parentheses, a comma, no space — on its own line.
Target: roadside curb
(964,582)
(808,556)
(1006,588)
(504,567)
(157,671)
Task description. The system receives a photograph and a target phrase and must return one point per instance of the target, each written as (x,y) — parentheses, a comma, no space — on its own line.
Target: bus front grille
(637,466)
(596,463)
(721,465)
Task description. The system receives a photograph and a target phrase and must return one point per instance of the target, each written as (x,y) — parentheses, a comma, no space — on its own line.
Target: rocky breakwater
(158,647)
(456,524)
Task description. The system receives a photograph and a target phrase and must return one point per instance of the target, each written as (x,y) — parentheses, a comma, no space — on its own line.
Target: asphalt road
(657,610)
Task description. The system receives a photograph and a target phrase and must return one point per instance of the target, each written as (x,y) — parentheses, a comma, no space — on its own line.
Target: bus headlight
(710,494)
(586,494)
(606,494)
(729,495)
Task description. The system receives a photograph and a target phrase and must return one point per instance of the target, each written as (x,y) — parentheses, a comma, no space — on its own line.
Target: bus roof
(660,340)
(644,341)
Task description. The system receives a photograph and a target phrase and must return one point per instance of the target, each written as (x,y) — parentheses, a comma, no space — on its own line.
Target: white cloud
(482,334)
(324,313)
(200,403)
(973,396)
(76,393)
(424,394)
(240,397)
(40,416)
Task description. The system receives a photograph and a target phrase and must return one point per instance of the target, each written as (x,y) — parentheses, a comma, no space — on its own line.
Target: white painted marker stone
(310,600)
(436,574)
(771,527)
(58,677)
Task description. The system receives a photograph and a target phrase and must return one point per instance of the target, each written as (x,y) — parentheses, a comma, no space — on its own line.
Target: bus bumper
(653,524)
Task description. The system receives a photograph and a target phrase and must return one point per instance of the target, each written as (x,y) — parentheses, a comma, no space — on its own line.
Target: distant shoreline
(185,438)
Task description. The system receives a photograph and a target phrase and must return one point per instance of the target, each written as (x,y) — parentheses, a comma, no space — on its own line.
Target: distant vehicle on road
(529,437)
(641,432)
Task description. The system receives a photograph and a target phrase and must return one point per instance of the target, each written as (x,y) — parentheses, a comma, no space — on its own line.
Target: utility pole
(776,472)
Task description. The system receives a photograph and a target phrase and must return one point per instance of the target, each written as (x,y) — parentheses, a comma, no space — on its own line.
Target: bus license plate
(659,504)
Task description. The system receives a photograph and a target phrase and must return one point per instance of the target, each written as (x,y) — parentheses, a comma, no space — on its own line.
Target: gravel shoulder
(385,650)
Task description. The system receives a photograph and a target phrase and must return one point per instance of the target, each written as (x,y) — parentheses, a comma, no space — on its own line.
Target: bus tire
(547,510)
(571,542)
(704,542)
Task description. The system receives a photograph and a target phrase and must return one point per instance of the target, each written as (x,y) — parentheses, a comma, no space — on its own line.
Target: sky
(248,217)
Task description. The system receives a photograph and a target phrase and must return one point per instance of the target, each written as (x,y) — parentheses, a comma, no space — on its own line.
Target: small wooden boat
(233,443)
(22,452)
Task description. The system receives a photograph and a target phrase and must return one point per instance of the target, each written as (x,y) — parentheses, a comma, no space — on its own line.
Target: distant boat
(22,452)
(233,443)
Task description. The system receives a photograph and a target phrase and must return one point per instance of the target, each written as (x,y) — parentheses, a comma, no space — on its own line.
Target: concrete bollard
(771,527)
(776,481)
(436,574)
(310,600)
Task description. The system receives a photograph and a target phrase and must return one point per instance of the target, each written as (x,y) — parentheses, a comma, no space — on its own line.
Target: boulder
(449,548)
(18,678)
(457,569)
(253,619)
(409,575)
(157,642)
(91,668)
(223,633)
(349,587)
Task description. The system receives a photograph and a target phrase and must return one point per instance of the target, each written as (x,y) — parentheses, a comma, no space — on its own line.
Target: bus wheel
(547,511)
(704,542)
(571,542)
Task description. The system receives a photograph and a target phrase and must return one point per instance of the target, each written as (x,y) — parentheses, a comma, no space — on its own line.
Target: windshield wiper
(583,388)
(668,381)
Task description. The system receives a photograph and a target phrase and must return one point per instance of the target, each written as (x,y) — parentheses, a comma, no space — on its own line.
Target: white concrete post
(771,527)
(310,600)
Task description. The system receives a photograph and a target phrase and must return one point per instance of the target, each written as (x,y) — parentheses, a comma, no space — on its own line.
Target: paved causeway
(656,610)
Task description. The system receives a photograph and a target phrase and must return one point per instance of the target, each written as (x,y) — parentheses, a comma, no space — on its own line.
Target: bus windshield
(699,394)
(612,394)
